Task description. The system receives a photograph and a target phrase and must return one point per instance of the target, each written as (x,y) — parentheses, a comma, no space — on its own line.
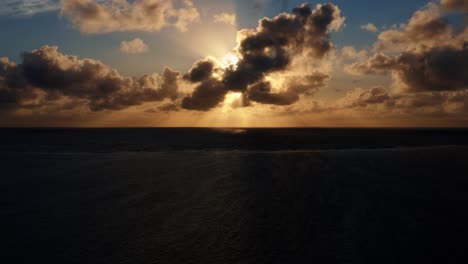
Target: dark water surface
(163,139)
(233,196)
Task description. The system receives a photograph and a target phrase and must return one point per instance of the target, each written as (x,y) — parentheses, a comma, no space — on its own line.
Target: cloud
(374,95)
(376,101)
(11,83)
(47,77)
(262,92)
(350,53)
(455,5)
(168,107)
(378,64)
(270,49)
(27,7)
(284,53)
(285,59)
(225,18)
(427,59)
(432,55)
(200,71)
(207,95)
(275,43)
(118,16)
(379,102)
(370,27)
(437,69)
(364,98)
(427,28)
(209,92)
(134,46)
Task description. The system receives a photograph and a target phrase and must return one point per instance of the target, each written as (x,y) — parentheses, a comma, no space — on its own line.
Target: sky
(207,63)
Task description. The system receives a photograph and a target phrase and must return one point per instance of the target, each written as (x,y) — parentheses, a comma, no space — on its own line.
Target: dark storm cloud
(47,75)
(268,49)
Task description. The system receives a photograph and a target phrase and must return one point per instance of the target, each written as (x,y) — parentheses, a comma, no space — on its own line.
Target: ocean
(205,196)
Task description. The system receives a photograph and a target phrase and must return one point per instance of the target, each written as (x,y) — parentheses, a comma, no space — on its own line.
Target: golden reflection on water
(231,130)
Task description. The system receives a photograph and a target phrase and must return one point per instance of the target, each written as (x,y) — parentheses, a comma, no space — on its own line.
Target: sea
(233,195)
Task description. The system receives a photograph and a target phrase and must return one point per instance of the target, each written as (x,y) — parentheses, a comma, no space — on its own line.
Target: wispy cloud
(27,7)
(226,18)
(31,7)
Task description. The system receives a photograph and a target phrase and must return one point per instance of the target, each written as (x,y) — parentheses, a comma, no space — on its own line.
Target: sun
(232,97)
(228,60)
(232,100)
